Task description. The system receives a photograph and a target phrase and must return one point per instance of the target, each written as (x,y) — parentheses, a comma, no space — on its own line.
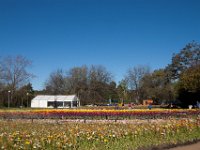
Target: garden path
(195,146)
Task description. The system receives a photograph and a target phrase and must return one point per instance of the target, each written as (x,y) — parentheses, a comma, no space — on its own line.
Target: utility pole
(27,94)
(9,98)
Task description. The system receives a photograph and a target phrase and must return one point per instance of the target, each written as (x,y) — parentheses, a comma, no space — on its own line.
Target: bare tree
(77,82)
(99,79)
(1,77)
(14,72)
(100,74)
(134,77)
(77,79)
(91,85)
(56,84)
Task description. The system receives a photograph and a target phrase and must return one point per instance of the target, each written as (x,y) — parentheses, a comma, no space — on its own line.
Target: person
(129,106)
(150,107)
(198,104)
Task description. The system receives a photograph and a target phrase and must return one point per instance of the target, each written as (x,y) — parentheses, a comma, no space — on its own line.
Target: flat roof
(55,98)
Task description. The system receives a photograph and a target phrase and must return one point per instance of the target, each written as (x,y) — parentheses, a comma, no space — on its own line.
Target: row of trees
(92,84)
(178,81)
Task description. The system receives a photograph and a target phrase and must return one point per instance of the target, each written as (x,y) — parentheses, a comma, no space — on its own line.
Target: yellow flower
(27,142)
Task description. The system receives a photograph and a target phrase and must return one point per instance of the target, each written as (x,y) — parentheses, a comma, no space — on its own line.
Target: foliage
(188,87)
(122,90)
(185,69)
(21,98)
(155,86)
(189,56)
(190,79)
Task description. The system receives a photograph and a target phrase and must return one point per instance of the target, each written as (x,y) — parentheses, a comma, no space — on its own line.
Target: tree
(56,84)
(1,79)
(14,72)
(100,74)
(123,90)
(112,93)
(189,56)
(24,95)
(156,86)
(188,87)
(183,72)
(1,71)
(190,79)
(134,77)
(77,79)
(99,79)
(77,82)
(91,85)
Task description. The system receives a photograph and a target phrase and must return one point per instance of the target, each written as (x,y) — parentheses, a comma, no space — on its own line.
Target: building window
(59,104)
(75,103)
(55,104)
(67,104)
(51,104)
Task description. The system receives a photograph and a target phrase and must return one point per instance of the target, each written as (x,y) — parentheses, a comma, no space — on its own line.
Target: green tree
(24,96)
(188,87)
(156,86)
(112,91)
(184,73)
(190,79)
(123,90)
(189,56)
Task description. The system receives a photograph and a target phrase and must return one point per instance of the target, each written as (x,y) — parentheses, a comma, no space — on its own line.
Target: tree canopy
(188,57)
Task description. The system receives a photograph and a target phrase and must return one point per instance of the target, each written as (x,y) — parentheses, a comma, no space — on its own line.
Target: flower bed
(98,114)
(23,134)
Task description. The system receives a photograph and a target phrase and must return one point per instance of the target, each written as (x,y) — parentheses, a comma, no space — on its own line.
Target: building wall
(42,102)
(39,104)
(34,104)
(147,102)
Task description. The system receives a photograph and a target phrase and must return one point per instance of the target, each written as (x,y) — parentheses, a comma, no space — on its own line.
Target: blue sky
(117,34)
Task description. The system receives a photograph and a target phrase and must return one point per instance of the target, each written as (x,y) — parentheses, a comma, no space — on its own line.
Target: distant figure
(198,104)
(171,105)
(129,105)
(150,107)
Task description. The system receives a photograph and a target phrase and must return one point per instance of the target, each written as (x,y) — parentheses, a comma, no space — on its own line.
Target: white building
(55,101)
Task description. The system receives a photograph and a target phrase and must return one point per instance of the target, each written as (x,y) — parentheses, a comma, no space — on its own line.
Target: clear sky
(118,34)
